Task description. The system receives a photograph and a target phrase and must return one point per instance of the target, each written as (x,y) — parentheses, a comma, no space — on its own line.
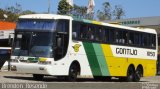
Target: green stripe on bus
(101,59)
(93,62)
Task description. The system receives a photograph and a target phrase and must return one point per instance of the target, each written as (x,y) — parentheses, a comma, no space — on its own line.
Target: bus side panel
(149,68)
(96,59)
(116,65)
(77,52)
(102,62)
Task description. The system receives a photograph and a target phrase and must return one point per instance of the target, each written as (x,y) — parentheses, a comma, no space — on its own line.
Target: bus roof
(147,30)
(44,16)
(54,16)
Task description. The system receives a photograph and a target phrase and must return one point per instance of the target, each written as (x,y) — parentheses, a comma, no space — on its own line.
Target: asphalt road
(12,80)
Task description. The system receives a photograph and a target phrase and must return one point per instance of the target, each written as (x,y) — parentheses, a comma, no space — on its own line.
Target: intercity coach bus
(67,47)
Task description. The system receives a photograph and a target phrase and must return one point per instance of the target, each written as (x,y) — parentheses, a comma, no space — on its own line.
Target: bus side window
(144,40)
(112,36)
(90,35)
(125,37)
(153,41)
(105,35)
(75,30)
(131,38)
(102,36)
(136,39)
(83,32)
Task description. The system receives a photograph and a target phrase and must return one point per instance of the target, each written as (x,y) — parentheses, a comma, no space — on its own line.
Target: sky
(133,8)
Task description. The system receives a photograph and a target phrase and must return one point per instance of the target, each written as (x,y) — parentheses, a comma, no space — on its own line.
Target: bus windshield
(26,24)
(41,38)
(36,44)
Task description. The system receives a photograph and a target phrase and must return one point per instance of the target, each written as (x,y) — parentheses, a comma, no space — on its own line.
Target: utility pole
(49,4)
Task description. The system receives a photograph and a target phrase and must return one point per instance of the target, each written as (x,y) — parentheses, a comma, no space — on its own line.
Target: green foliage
(118,12)
(64,8)
(1,14)
(80,12)
(13,12)
(17,9)
(108,14)
(27,12)
(105,14)
(101,16)
(10,16)
(77,11)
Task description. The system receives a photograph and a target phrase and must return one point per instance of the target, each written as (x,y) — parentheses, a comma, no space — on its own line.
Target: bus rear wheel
(38,76)
(138,74)
(130,74)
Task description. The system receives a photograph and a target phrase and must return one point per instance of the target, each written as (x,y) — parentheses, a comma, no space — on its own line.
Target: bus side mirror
(10,41)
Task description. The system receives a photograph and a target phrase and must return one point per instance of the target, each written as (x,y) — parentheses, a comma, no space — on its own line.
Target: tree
(10,16)
(118,12)
(17,9)
(2,14)
(79,11)
(64,8)
(101,16)
(13,12)
(105,14)
(108,14)
(27,12)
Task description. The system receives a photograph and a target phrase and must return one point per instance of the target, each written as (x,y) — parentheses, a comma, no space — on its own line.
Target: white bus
(67,47)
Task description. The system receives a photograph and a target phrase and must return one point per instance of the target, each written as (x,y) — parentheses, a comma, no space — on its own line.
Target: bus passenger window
(83,32)
(97,32)
(144,40)
(112,36)
(136,38)
(90,35)
(102,36)
(117,40)
(131,38)
(153,41)
(75,30)
(105,35)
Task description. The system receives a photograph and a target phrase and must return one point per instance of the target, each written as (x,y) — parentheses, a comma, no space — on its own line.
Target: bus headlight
(45,62)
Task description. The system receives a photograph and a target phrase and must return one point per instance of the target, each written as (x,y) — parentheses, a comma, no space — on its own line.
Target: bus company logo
(76,47)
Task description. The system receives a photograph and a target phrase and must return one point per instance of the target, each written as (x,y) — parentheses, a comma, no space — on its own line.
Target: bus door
(62,39)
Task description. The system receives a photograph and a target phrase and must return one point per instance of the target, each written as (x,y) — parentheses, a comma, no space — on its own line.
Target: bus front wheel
(73,73)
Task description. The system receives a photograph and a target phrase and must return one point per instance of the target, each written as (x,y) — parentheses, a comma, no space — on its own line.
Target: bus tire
(130,74)
(73,73)
(38,77)
(138,74)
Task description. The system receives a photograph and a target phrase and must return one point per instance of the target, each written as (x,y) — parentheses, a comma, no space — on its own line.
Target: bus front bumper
(34,68)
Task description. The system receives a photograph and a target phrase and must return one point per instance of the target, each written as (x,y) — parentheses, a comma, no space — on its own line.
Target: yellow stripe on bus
(118,66)
(96,22)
